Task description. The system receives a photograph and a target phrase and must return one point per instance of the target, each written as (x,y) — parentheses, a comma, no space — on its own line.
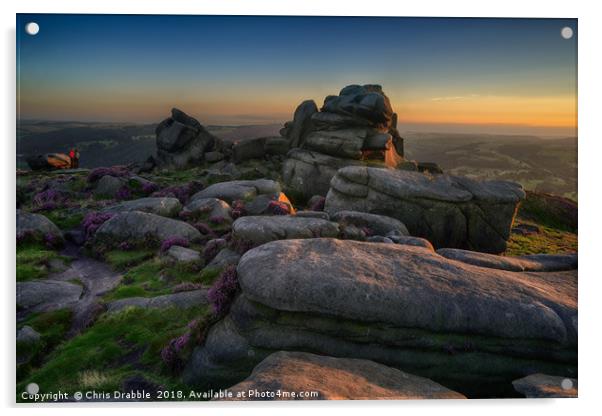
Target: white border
(590,151)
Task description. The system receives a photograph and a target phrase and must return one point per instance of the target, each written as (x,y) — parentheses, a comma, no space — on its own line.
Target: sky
(486,75)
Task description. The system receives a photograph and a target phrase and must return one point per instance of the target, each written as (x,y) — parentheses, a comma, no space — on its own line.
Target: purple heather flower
(318,205)
(238,209)
(123,193)
(116,171)
(173,241)
(93,220)
(48,199)
(223,291)
(213,247)
(149,188)
(279,208)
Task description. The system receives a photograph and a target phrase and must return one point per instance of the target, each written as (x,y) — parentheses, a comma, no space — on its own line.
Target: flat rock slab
(261,229)
(531,263)
(334,379)
(183,254)
(543,385)
(233,190)
(409,287)
(164,206)
(376,224)
(449,211)
(47,295)
(181,300)
(137,226)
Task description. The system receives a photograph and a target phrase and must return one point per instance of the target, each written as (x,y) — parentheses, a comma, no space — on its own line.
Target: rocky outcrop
(353,128)
(546,386)
(260,229)
(164,206)
(467,327)
(449,211)
(139,227)
(46,295)
(328,378)
(182,141)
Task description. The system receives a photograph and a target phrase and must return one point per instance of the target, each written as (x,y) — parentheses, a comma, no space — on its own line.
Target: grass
(52,327)
(33,260)
(64,219)
(121,259)
(547,241)
(115,347)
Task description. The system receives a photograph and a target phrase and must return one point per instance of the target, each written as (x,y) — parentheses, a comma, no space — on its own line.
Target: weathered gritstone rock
(182,141)
(467,327)
(164,206)
(377,224)
(224,258)
(261,229)
(211,207)
(36,226)
(544,386)
(449,211)
(354,128)
(109,186)
(332,378)
(233,190)
(529,263)
(137,226)
(182,300)
(183,254)
(309,173)
(47,295)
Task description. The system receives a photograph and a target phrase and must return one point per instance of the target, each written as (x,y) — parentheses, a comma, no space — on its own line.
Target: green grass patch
(120,259)
(52,327)
(64,219)
(115,347)
(547,241)
(33,260)
(550,210)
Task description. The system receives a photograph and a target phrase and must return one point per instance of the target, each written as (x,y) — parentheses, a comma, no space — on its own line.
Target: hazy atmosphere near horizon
(503,76)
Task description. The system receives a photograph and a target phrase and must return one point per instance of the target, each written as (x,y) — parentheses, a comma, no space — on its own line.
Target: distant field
(543,165)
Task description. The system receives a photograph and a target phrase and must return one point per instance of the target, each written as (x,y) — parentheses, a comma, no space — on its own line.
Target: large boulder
(329,378)
(138,227)
(46,295)
(261,229)
(109,186)
(36,227)
(244,190)
(308,173)
(449,211)
(470,328)
(248,149)
(367,102)
(296,129)
(182,141)
(164,206)
(212,208)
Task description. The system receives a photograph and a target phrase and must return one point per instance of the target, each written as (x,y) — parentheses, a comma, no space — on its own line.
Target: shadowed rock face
(182,141)
(449,211)
(399,305)
(336,379)
(36,226)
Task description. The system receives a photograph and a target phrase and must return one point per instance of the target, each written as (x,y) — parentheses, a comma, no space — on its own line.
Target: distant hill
(543,165)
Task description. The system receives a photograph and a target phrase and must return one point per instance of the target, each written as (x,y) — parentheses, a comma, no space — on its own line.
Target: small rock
(183,254)
(379,239)
(28,335)
(224,258)
(314,214)
(375,224)
(543,385)
(213,157)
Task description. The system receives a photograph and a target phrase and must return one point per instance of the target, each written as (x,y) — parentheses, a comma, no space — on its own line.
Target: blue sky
(253,69)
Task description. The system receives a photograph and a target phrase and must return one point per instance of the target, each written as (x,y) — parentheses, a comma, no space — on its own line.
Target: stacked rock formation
(351,128)
(449,211)
(182,141)
(473,329)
